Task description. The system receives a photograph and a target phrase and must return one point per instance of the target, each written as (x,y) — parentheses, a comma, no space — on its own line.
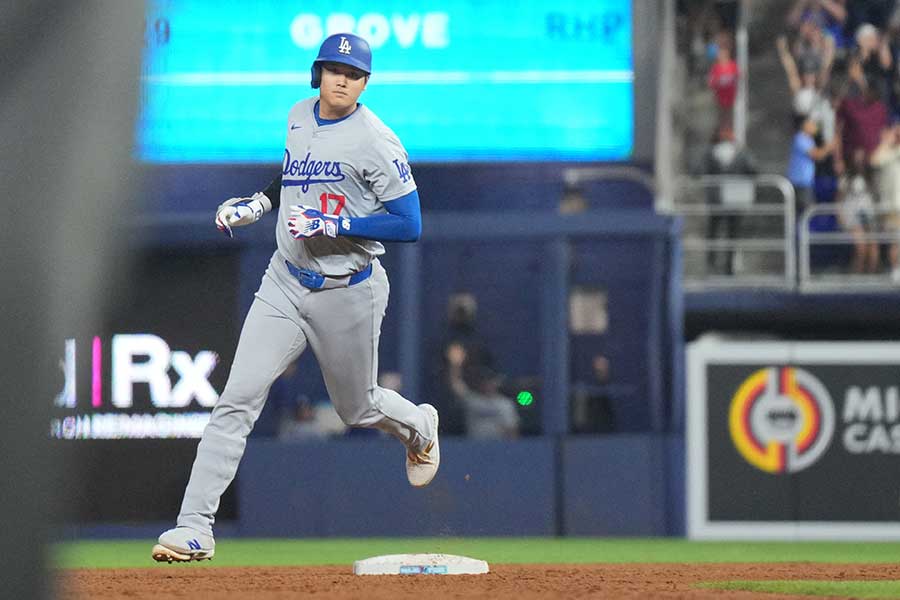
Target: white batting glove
(236,212)
(306,222)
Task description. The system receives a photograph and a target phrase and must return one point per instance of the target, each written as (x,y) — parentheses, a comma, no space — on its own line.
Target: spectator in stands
(892,37)
(875,12)
(860,118)
(488,413)
(311,422)
(886,159)
(461,347)
(801,169)
(830,15)
(462,315)
(871,62)
(808,89)
(706,21)
(826,178)
(726,156)
(812,49)
(856,211)
(290,415)
(723,80)
(824,112)
(592,410)
(814,97)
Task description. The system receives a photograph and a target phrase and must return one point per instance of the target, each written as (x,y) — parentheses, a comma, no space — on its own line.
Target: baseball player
(345,186)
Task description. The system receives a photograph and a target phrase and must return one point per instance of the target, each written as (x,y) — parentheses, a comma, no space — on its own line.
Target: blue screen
(457,80)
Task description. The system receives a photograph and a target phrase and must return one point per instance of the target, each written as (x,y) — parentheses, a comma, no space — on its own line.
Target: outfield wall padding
(359,488)
(593,485)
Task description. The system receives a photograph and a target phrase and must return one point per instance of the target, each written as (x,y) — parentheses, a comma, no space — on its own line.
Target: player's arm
(236,212)
(273,192)
(403,223)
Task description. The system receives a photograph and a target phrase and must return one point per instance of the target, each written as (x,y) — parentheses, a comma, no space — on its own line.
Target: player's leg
(270,339)
(344,328)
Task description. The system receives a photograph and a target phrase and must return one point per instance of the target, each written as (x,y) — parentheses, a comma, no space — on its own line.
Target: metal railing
(747,201)
(833,276)
(664,144)
(576,176)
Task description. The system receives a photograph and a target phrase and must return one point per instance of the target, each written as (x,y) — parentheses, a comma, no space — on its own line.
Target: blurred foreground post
(68,95)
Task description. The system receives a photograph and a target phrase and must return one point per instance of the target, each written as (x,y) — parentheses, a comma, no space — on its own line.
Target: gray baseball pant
(342,326)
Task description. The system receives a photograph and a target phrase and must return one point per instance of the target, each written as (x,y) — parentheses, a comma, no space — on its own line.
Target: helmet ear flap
(316,79)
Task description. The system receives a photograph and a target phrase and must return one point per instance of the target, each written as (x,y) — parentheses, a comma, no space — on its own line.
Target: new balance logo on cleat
(175,546)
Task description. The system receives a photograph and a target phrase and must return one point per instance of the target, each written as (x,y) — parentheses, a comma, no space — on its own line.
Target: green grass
(251,552)
(854,589)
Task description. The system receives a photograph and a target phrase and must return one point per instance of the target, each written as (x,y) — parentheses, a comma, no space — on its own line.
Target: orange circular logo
(781,419)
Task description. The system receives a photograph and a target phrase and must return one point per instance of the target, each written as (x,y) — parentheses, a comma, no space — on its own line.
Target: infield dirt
(513,582)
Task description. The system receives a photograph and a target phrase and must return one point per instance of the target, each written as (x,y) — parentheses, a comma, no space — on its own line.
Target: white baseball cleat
(183,544)
(421,467)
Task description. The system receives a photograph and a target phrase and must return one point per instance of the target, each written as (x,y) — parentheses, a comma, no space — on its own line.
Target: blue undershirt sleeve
(403,223)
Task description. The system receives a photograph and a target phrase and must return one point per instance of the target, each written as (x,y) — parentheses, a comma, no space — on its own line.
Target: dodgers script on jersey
(346,168)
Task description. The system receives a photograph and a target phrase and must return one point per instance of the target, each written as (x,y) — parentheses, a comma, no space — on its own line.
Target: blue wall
(622,485)
(359,488)
(628,484)
(613,485)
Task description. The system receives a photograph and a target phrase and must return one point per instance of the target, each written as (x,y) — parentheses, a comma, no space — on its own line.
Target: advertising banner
(134,395)
(793,440)
(156,368)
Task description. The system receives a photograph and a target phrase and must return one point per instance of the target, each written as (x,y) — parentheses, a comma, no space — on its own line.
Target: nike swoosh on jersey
(295,126)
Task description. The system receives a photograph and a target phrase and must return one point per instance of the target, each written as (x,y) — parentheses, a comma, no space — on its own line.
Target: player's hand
(236,212)
(233,216)
(306,222)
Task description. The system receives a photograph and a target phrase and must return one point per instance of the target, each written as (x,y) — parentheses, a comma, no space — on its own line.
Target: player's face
(340,89)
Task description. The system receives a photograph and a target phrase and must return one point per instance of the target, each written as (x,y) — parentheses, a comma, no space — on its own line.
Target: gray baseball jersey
(344,168)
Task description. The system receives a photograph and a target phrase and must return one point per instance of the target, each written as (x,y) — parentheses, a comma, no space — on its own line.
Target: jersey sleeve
(386,167)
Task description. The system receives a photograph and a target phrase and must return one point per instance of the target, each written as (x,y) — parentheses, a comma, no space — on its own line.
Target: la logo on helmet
(344,47)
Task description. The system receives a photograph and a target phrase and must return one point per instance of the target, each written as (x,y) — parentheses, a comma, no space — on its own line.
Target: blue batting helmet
(343,48)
